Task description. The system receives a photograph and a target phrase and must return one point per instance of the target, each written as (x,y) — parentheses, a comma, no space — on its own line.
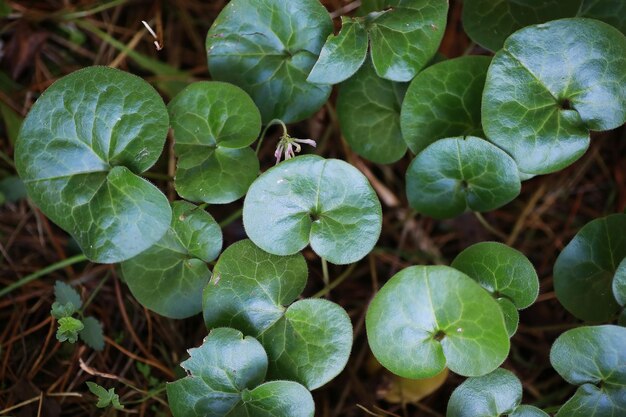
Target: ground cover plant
(320,208)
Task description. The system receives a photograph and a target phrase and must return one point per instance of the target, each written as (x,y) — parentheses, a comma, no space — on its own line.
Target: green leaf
(549,86)
(68,330)
(276,399)
(79,152)
(436,316)
(510,314)
(268,48)
(444,101)
(584,270)
(453,175)
(612,12)
(105,398)
(12,119)
(65,293)
(342,54)
(308,342)
(308,199)
(214,123)
(368,108)
(594,358)
(59,310)
(168,278)
(619,283)
(528,411)
(91,334)
(12,188)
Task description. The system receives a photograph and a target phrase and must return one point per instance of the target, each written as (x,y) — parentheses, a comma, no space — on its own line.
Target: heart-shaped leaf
(444,101)
(584,270)
(168,278)
(268,48)
(79,151)
(594,358)
(453,175)
(368,108)
(308,199)
(549,86)
(436,316)
(214,123)
(342,55)
(308,342)
(492,395)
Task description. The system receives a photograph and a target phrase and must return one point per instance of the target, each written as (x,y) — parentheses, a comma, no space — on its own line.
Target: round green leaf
(444,101)
(213,124)
(342,54)
(268,48)
(436,316)
(168,278)
(594,358)
(453,175)
(501,270)
(368,108)
(78,153)
(619,283)
(584,270)
(308,199)
(549,86)
(528,411)
(276,399)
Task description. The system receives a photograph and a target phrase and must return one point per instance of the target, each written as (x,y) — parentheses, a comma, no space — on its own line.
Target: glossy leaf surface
(584,270)
(79,152)
(436,316)
(444,101)
(453,175)
(214,123)
(368,108)
(168,278)
(550,85)
(308,199)
(268,48)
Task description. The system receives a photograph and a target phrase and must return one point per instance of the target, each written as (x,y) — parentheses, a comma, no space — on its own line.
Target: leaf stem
(51,268)
(341,278)
(489,227)
(271,123)
(228,220)
(325,275)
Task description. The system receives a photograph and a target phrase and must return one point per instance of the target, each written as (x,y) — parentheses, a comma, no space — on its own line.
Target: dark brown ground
(44,40)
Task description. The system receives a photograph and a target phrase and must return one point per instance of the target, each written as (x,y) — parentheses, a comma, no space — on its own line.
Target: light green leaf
(65,293)
(444,101)
(168,278)
(342,54)
(368,108)
(453,175)
(68,330)
(619,283)
(528,411)
(510,314)
(325,202)
(436,316)
(584,270)
(59,310)
(79,152)
(91,334)
(268,48)
(594,358)
(276,399)
(105,398)
(549,86)
(214,123)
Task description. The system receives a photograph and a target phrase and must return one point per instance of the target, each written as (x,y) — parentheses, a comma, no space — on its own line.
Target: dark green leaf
(214,123)
(325,202)
(619,283)
(168,278)
(453,175)
(91,334)
(65,293)
(368,108)
(342,54)
(429,317)
(268,48)
(105,398)
(59,310)
(612,12)
(444,101)
(79,151)
(69,327)
(583,272)
(12,120)
(549,86)
(12,188)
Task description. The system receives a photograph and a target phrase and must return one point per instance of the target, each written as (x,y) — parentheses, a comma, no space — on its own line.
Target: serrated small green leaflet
(342,54)
(59,310)
(105,398)
(68,330)
(79,152)
(308,341)
(436,316)
(593,358)
(584,270)
(214,123)
(91,333)
(65,293)
(492,395)
(168,277)
(308,199)
(444,101)
(619,283)
(368,108)
(268,48)
(453,175)
(549,86)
